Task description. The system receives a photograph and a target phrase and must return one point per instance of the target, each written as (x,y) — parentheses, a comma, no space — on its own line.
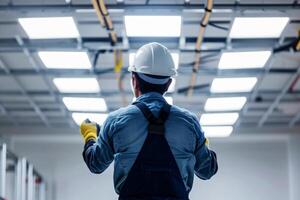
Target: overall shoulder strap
(164,112)
(146,111)
(163,115)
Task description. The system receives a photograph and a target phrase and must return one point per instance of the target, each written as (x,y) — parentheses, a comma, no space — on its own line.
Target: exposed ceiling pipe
(203,24)
(106,22)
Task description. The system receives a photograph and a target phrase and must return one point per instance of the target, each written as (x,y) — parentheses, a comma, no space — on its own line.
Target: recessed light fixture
(228,85)
(87,104)
(95,117)
(241,60)
(175,57)
(225,103)
(153,26)
(77,85)
(218,118)
(65,60)
(258,27)
(217,131)
(49,27)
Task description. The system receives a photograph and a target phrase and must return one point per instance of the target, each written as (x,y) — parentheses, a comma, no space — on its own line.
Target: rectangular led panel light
(175,57)
(242,60)
(230,85)
(65,60)
(95,117)
(49,27)
(85,104)
(218,118)
(217,131)
(225,103)
(153,26)
(258,27)
(77,85)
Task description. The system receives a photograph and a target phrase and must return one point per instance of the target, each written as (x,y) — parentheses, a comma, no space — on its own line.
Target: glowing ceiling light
(227,85)
(65,60)
(49,27)
(77,85)
(239,60)
(153,26)
(258,27)
(218,118)
(225,103)
(95,117)
(87,104)
(217,131)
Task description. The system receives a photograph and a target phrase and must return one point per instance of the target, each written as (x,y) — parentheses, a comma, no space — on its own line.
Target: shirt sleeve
(99,154)
(206,160)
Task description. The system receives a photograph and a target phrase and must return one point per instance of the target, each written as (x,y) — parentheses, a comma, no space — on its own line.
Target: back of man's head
(153,68)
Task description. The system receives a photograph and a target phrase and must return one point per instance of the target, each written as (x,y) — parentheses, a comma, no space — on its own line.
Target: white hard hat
(153,59)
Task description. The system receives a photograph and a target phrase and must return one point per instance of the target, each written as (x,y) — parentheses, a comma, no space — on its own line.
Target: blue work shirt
(124,132)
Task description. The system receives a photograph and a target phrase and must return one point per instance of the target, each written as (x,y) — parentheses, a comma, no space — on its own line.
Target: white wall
(294,158)
(249,169)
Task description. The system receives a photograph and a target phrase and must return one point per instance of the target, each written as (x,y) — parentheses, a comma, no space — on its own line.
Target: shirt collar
(150,96)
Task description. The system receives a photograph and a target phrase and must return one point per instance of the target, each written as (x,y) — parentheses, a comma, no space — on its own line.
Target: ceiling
(28,96)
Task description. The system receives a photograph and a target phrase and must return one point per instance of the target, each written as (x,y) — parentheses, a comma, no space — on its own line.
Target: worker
(157,148)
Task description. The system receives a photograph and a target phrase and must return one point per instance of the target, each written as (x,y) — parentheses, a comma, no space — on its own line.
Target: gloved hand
(89,130)
(207,142)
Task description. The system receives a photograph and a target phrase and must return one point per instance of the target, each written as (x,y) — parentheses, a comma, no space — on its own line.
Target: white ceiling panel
(92,30)
(266,1)
(23,113)
(285,60)
(11,30)
(16,60)
(192,30)
(16,105)
(8,84)
(111,84)
(44,98)
(289,108)
(53,114)
(297,85)
(88,2)
(166,2)
(33,83)
(215,1)
(38,2)
(96,30)
(274,82)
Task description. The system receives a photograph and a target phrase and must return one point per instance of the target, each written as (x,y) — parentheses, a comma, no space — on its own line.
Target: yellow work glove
(89,130)
(206,142)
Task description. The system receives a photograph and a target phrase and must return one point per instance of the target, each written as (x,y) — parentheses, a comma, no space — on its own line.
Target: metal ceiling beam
(129,92)
(73,7)
(7,114)
(278,98)
(294,120)
(24,93)
(11,43)
(184,69)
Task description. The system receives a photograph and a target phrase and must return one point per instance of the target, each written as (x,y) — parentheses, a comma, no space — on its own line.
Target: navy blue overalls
(155,174)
